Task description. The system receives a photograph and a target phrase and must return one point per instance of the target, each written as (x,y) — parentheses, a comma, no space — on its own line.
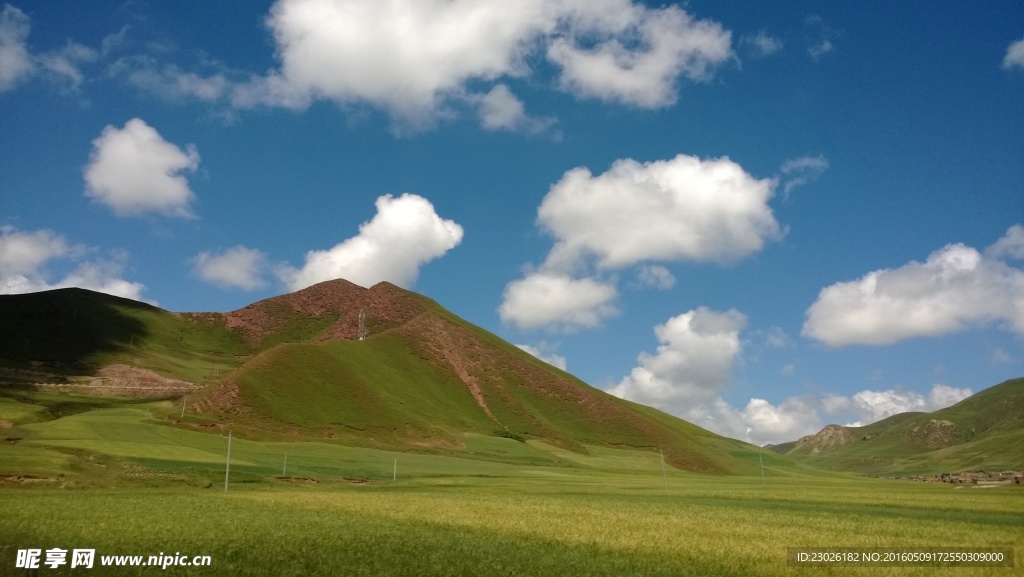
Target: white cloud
(238,267)
(404,235)
(499,109)
(171,82)
(134,171)
(557,300)
(413,58)
(548,357)
(25,255)
(656,276)
(999,356)
(955,288)
(104,276)
(776,338)
(64,63)
(22,253)
(1011,246)
(942,396)
(801,171)
(644,57)
(1014,55)
(693,363)
(15,60)
(683,208)
(763,44)
(693,366)
(762,422)
(821,44)
(406,57)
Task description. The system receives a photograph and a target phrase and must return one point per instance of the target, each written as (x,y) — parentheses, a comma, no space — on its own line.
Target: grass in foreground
(140,487)
(601,524)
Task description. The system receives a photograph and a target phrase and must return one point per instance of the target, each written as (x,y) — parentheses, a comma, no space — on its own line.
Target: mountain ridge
(292,366)
(985,430)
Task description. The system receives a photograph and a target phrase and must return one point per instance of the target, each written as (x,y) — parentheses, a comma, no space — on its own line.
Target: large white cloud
(557,300)
(956,287)
(413,58)
(683,208)
(134,171)
(1014,55)
(692,368)
(24,257)
(693,363)
(761,422)
(15,60)
(22,253)
(405,234)
(237,267)
(643,57)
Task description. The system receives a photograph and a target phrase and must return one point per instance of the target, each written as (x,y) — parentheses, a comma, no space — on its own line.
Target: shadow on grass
(62,330)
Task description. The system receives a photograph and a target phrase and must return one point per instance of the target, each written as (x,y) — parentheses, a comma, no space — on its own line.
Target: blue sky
(760,219)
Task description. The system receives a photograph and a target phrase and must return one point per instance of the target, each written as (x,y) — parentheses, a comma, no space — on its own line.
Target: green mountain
(982,432)
(295,367)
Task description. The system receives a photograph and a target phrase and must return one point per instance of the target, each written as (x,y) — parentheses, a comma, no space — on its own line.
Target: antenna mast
(362,324)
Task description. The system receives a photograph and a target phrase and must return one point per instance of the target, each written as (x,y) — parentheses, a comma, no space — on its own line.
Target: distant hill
(984,431)
(293,367)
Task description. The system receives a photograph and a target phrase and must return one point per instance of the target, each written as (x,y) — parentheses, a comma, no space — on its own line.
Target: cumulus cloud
(1014,55)
(24,257)
(692,367)
(134,171)
(648,50)
(693,362)
(761,422)
(683,208)
(557,300)
(413,58)
(22,253)
(955,288)
(762,44)
(656,276)
(1010,247)
(801,171)
(404,235)
(546,356)
(499,109)
(15,60)
(238,267)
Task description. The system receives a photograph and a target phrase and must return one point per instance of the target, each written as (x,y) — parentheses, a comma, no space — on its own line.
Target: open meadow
(110,477)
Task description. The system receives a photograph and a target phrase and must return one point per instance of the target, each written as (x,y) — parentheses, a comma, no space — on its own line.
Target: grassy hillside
(984,431)
(75,331)
(292,367)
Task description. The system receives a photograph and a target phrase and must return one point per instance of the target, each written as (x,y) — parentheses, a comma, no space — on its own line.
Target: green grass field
(106,475)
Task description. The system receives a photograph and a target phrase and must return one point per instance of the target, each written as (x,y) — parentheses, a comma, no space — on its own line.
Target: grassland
(592,524)
(109,476)
(982,432)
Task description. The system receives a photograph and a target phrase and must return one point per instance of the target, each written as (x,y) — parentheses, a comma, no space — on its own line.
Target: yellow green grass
(112,478)
(598,524)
